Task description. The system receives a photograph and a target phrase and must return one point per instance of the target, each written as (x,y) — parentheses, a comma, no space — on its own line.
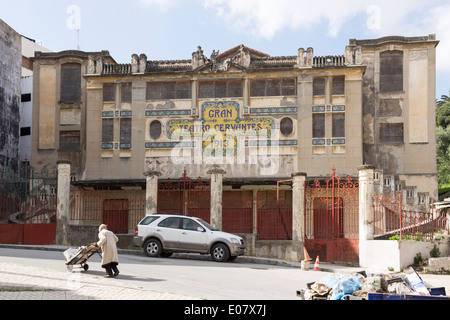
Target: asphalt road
(195,278)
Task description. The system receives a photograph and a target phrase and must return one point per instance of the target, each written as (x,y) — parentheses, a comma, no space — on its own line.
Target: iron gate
(28,206)
(275,215)
(185,196)
(331,219)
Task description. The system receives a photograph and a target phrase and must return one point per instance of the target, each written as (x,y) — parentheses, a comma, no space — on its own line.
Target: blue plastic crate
(388,296)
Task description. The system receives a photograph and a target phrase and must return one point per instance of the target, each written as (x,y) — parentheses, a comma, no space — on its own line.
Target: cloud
(163,5)
(436,21)
(266,18)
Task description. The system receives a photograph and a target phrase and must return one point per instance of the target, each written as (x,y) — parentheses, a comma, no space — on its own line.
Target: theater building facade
(221,136)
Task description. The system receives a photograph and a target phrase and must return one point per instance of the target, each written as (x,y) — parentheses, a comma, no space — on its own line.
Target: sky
(173,29)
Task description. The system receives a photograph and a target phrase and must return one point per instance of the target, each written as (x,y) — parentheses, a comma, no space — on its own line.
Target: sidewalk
(19,282)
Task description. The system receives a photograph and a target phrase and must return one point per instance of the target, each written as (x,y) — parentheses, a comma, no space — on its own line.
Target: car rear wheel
(152,248)
(220,252)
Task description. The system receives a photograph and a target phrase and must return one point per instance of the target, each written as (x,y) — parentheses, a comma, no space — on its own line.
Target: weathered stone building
(242,116)
(10,93)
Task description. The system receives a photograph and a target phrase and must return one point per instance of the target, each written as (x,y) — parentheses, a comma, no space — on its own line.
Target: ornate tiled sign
(220,127)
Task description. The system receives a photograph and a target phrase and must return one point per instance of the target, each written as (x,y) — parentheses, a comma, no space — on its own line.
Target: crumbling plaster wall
(10,93)
(411,110)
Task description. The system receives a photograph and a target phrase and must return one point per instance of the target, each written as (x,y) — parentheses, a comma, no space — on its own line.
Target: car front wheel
(220,252)
(152,248)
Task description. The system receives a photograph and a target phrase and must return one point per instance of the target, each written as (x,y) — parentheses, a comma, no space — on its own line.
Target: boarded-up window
(125,130)
(109,92)
(319,125)
(390,108)
(71,82)
(169,90)
(69,141)
(338,125)
(125,92)
(220,89)
(273,87)
(319,86)
(391,133)
(391,71)
(339,85)
(107,130)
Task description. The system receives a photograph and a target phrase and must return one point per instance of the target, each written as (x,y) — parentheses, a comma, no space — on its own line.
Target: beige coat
(108,244)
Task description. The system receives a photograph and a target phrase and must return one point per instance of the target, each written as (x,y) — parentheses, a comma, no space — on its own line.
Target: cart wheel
(70,268)
(86,267)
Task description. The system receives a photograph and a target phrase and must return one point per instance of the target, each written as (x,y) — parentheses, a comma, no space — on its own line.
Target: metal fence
(394,221)
(28,196)
(121,211)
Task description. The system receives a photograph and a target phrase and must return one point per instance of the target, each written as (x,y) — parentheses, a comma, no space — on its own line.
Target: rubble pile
(362,286)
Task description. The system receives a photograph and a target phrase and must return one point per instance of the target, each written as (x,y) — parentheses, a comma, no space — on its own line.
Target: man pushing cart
(107,243)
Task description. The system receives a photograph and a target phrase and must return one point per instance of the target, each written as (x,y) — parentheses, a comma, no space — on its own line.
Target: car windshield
(206,224)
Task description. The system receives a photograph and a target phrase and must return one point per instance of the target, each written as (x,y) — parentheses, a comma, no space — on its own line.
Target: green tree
(443,139)
(443,111)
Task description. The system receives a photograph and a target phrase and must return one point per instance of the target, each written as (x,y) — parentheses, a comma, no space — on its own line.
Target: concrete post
(63,206)
(151,192)
(366,192)
(216,196)
(366,214)
(298,212)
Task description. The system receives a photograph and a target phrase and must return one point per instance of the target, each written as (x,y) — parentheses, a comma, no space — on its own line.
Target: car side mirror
(200,229)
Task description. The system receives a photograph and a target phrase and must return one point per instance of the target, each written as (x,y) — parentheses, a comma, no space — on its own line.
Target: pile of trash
(362,286)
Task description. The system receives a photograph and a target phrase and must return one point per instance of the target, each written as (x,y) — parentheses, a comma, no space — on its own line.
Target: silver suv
(164,234)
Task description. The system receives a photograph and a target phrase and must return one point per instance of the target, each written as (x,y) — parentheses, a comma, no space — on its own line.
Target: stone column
(366,215)
(366,192)
(216,196)
(63,205)
(298,212)
(151,192)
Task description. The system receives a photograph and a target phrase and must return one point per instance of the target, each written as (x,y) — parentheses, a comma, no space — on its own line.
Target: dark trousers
(110,267)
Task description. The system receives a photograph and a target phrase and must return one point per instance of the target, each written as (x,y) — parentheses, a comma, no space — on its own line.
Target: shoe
(108,276)
(116,273)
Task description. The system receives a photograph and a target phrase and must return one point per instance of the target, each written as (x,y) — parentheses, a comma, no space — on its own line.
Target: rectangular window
(26,97)
(125,130)
(25,131)
(338,125)
(169,90)
(71,82)
(273,87)
(107,130)
(69,141)
(391,133)
(109,92)
(125,92)
(319,86)
(391,71)
(220,89)
(339,85)
(319,125)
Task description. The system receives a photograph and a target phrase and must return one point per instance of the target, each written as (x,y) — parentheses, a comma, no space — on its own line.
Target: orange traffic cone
(316,265)
(307,257)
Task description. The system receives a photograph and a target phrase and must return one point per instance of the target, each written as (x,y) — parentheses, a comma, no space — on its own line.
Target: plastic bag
(345,286)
